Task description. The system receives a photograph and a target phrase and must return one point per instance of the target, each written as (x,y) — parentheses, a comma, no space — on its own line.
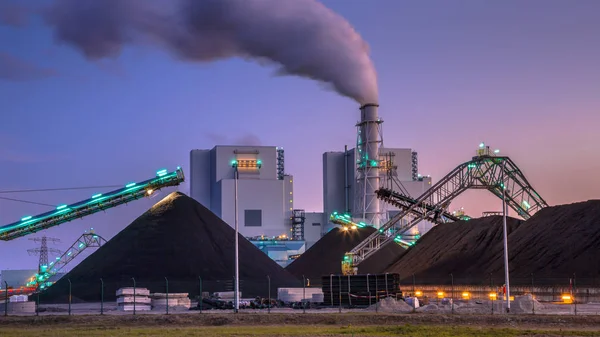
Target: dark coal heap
(182,240)
(325,256)
(553,245)
(462,248)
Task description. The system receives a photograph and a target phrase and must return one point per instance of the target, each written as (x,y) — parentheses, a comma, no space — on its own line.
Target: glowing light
(493,296)
(150,191)
(129,185)
(418,293)
(481,145)
(61,207)
(26,218)
(95,196)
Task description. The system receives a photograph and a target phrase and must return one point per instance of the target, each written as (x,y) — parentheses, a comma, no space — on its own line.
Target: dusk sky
(523,76)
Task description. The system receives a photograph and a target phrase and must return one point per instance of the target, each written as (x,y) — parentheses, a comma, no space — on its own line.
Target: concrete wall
(212,184)
(313,226)
(263,195)
(402,159)
(200,182)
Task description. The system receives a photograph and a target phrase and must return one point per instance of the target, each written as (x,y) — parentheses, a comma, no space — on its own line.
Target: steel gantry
(98,202)
(86,240)
(485,171)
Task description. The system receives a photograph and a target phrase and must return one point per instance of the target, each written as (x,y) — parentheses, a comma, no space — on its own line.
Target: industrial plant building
(254,178)
(265,193)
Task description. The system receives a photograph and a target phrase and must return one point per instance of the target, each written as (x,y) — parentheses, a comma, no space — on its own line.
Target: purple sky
(523,76)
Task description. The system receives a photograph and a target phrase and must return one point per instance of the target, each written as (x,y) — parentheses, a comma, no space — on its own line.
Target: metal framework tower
(369,141)
(280,163)
(43,250)
(298,218)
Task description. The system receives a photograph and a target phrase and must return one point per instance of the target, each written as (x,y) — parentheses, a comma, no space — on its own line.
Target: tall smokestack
(367,153)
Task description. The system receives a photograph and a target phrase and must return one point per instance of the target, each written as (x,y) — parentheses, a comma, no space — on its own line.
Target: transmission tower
(43,250)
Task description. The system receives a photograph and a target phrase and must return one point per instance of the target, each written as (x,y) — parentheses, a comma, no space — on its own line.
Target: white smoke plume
(300,37)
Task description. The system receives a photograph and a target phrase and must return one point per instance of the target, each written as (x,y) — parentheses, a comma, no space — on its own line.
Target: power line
(60,189)
(27,202)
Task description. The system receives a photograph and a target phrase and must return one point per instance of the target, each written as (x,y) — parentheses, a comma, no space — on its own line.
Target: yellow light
(354,227)
(466,295)
(150,191)
(344,228)
(493,296)
(567,298)
(440,294)
(418,293)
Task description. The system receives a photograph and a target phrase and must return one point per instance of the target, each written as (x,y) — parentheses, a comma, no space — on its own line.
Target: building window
(316,224)
(253,218)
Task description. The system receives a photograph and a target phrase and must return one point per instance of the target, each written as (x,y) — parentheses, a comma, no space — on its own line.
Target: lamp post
(503,187)
(237,266)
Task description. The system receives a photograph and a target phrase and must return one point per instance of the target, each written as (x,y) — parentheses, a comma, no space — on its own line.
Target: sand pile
(325,256)
(180,239)
(462,248)
(392,305)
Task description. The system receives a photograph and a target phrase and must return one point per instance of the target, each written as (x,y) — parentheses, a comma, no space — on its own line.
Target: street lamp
(503,187)
(237,265)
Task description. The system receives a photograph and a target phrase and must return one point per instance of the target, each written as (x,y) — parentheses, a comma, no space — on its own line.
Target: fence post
(376,294)
(492,290)
(101,296)
(303,294)
(532,296)
(387,294)
(269,292)
(452,293)
(340,291)
(200,295)
(331,288)
(5,298)
(69,296)
(167,286)
(368,290)
(134,300)
(575,293)
(414,294)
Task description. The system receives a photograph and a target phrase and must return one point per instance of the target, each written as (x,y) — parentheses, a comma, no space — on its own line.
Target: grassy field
(414,325)
(400,330)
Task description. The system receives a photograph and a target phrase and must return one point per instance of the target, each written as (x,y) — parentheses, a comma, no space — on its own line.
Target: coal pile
(180,239)
(463,248)
(325,257)
(555,243)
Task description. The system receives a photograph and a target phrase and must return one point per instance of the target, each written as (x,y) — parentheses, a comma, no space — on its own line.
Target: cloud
(13,14)
(15,69)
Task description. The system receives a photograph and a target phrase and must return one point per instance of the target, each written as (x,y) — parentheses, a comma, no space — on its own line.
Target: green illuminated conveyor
(98,202)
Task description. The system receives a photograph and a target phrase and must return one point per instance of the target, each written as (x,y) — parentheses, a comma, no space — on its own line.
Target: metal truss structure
(97,203)
(86,240)
(497,174)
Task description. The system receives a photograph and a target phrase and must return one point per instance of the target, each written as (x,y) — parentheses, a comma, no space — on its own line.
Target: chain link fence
(452,294)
